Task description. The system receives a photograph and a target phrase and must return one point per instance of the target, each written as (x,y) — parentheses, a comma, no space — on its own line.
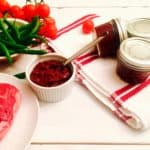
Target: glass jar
(114,33)
(139,27)
(134,60)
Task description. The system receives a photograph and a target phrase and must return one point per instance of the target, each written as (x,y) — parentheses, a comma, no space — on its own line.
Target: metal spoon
(83,50)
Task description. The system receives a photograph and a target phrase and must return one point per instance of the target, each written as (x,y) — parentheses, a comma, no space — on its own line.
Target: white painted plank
(99,3)
(93,3)
(66,15)
(89,147)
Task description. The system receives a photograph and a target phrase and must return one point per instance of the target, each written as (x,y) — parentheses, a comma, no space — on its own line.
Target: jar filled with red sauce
(50,73)
(114,33)
(134,60)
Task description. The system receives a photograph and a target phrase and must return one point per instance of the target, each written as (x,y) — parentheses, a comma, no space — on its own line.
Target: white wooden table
(76,122)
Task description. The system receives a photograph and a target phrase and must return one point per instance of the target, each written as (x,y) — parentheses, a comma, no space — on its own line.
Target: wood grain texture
(92,3)
(100,3)
(89,147)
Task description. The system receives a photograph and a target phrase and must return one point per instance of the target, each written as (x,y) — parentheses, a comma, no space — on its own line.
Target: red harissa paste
(50,73)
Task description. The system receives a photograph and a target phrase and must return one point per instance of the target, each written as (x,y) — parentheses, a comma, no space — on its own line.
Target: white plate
(23,127)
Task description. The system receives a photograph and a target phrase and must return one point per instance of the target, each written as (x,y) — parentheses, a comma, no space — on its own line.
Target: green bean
(14,29)
(11,52)
(6,52)
(14,39)
(29,51)
(36,26)
(14,45)
(29,42)
(27,27)
(32,28)
(4,30)
(24,27)
(26,30)
(32,37)
(21,75)
(2,36)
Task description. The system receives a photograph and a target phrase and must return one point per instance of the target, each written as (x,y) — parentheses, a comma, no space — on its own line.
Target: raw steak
(9,103)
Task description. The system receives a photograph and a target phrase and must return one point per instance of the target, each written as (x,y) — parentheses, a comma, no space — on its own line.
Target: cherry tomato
(1,15)
(51,32)
(88,26)
(49,20)
(29,11)
(4,6)
(46,23)
(42,30)
(16,12)
(48,30)
(42,10)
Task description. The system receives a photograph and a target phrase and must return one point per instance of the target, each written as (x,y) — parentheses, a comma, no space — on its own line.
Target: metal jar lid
(135,52)
(139,27)
(121,25)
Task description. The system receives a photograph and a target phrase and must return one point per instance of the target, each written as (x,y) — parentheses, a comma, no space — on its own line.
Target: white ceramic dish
(23,127)
(55,93)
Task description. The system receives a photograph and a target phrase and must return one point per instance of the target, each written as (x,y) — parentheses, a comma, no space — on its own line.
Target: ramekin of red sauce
(49,78)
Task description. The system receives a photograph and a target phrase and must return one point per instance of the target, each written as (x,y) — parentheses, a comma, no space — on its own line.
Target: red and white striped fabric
(129,103)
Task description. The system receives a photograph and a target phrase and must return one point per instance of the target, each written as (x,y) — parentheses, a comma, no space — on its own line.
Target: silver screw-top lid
(121,25)
(139,27)
(135,52)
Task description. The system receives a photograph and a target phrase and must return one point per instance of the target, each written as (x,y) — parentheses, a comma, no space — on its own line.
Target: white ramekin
(51,94)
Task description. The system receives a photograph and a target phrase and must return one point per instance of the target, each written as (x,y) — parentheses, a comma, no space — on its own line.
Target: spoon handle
(83,50)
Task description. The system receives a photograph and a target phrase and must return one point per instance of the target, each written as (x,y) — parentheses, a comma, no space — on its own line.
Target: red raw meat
(10,98)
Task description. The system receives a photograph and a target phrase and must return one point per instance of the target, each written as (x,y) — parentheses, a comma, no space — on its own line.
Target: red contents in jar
(110,44)
(133,64)
(50,73)
(130,75)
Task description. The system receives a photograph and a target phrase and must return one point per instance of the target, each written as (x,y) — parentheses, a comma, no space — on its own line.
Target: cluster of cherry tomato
(28,12)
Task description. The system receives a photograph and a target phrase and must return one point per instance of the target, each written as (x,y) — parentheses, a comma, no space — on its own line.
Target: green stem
(35,1)
(28,1)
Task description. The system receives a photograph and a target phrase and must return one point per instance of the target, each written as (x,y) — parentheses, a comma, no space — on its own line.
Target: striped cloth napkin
(129,103)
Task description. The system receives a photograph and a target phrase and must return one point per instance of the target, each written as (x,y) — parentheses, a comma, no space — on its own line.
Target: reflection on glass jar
(115,32)
(134,60)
